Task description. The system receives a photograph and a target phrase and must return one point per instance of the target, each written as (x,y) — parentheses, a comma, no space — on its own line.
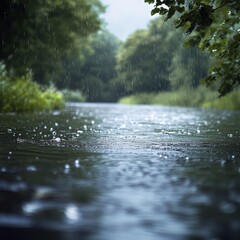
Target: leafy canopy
(154,60)
(37,34)
(215,27)
(145,57)
(93,75)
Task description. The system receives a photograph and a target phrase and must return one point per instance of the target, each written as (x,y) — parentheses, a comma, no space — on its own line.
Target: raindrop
(72,213)
(57,139)
(32,207)
(67,166)
(3,169)
(77,163)
(223,162)
(31,168)
(228,208)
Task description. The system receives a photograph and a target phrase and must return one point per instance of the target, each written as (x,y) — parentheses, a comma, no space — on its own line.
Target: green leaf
(149,1)
(155,11)
(171,12)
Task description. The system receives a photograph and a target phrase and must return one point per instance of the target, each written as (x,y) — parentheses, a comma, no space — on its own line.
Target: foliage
(183,97)
(37,35)
(189,66)
(214,27)
(231,101)
(199,97)
(22,95)
(73,96)
(154,60)
(93,76)
(143,63)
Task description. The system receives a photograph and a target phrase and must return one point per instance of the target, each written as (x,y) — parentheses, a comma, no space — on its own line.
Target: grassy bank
(200,97)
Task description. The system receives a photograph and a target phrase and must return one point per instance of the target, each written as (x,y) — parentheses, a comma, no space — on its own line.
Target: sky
(123,17)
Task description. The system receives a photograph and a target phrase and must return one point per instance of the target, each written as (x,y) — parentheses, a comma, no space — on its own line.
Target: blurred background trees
(213,26)
(154,60)
(37,35)
(65,44)
(94,74)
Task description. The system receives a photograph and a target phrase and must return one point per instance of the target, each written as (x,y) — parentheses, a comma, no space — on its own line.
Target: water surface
(107,171)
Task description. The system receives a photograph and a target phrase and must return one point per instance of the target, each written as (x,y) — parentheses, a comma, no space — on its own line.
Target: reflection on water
(118,172)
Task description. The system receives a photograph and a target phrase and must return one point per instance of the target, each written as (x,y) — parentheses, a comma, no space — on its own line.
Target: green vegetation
(40,34)
(93,76)
(231,102)
(154,60)
(21,94)
(38,37)
(200,97)
(73,96)
(214,27)
(63,43)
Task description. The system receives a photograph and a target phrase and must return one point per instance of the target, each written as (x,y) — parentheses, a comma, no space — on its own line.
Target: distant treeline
(64,44)
(149,61)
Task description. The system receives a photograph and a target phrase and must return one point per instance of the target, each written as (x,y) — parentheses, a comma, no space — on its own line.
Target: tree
(189,66)
(93,76)
(37,35)
(214,27)
(145,58)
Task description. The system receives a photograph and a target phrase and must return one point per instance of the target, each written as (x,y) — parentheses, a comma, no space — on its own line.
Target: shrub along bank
(23,95)
(200,97)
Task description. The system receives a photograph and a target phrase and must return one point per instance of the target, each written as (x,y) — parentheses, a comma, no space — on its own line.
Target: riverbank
(201,97)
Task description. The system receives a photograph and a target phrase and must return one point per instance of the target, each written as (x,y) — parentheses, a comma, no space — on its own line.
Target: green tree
(214,27)
(189,66)
(94,75)
(145,58)
(37,35)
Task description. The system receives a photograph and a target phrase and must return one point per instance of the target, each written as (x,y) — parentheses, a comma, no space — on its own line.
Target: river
(113,172)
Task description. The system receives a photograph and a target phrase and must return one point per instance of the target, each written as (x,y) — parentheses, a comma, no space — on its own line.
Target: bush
(182,97)
(230,101)
(23,95)
(73,96)
(200,97)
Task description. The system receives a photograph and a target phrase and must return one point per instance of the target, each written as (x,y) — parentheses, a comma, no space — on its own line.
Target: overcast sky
(123,17)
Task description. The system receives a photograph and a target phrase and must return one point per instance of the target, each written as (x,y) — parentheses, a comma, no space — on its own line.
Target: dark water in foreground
(109,172)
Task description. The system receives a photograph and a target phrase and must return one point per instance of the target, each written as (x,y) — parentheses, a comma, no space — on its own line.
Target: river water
(109,172)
